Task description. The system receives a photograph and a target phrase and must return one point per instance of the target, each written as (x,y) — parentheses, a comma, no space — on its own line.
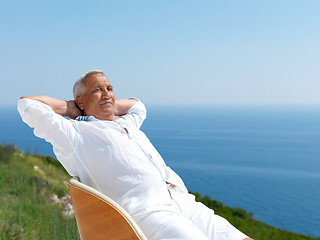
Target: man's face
(98,99)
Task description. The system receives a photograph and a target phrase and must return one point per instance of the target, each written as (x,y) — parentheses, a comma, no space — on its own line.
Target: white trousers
(186,219)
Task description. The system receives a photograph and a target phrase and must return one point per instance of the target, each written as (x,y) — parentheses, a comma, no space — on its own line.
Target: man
(106,149)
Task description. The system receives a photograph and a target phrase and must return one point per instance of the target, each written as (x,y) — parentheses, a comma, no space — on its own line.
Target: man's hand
(72,110)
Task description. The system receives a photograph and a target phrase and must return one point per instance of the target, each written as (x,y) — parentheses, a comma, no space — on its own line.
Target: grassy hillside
(26,208)
(27,211)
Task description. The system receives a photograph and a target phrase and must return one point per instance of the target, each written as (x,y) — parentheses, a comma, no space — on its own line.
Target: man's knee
(214,226)
(168,225)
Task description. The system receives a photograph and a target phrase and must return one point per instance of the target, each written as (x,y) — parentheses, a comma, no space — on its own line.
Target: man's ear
(79,102)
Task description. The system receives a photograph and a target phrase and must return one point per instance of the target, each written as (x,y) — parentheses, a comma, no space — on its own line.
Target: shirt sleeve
(48,125)
(135,115)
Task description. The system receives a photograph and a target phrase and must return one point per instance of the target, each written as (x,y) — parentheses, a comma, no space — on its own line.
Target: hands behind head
(72,110)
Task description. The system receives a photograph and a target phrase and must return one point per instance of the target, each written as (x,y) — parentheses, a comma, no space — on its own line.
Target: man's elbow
(25,97)
(35,97)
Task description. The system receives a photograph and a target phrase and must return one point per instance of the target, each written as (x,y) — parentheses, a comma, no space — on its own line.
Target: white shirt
(124,166)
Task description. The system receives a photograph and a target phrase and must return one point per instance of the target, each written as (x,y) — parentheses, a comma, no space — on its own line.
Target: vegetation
(27,211)
(244,221)
(26,208)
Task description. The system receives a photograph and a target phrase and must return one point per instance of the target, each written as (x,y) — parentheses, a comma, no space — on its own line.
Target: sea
(264,159)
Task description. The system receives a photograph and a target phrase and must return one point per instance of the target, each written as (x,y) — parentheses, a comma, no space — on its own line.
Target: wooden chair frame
(99,217)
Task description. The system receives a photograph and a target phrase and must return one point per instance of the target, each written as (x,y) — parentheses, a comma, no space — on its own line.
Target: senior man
(106,149)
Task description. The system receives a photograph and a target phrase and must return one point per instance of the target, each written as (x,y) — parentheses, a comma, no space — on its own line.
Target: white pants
(186,219)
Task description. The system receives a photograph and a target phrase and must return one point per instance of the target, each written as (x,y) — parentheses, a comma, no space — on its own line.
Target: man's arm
(38,113)
(61,107)
(123,105)
(133,111)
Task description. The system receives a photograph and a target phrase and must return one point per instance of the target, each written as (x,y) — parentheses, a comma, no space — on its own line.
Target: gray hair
(78,87)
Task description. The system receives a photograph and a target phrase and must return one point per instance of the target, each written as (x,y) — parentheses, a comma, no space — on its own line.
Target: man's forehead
(96,79)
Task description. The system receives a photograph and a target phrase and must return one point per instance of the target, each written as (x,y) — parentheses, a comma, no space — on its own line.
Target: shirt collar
(86,118)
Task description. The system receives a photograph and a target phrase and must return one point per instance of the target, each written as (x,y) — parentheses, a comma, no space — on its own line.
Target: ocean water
(263,159)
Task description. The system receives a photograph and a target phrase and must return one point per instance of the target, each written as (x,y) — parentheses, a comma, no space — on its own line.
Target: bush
(239,212)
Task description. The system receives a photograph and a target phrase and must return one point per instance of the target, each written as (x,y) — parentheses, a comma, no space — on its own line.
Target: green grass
(26,209)
(27,212)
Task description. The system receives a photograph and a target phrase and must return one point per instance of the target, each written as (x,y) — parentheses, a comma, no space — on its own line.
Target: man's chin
(107,112)
(107,108)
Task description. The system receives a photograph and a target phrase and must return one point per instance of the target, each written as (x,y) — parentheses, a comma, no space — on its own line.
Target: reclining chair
(99,217)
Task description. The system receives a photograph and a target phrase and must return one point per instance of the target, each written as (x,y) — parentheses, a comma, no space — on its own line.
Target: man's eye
(109,88)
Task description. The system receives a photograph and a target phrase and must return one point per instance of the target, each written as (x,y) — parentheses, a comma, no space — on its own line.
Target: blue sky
(164,52)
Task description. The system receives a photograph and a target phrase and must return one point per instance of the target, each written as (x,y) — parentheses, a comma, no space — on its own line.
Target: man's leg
(168,225)
(212,225)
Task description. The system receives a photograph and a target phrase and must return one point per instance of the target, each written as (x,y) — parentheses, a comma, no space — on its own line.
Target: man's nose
(105,92)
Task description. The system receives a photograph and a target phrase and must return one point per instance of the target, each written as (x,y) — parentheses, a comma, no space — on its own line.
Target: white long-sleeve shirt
(124,166)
